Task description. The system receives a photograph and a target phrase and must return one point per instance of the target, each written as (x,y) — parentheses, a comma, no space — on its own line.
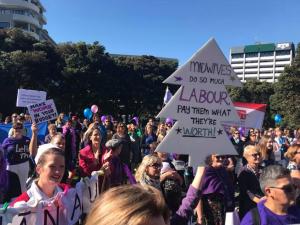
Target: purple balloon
(136,119)
(103,118)
(241,130)
(169,120)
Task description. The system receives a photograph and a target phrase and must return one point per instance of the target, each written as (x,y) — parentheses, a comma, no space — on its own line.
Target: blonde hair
(128,204)
(248,149)
(147,161)
(262,145)
(291,152)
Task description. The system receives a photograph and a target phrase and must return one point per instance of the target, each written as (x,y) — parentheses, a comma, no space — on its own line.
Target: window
(237,55)
(283,52)
(20,12)
(4,25)
(252,54)
(262,54)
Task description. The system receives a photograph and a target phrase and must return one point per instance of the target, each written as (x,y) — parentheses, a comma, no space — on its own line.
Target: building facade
(27,15)
(264,62)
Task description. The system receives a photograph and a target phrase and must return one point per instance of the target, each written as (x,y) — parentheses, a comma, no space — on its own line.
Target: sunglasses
(255,155)
(156,165)
(290,188)
(237,133)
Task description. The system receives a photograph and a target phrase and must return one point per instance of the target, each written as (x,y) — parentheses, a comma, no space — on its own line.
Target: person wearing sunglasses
(217,192)
(18,150)
(278,207)
(251,138)
(237,142)
(248,180)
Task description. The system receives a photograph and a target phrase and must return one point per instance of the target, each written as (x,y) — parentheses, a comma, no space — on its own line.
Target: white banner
(251,116)
(65,208)
(42,111)
(29,97)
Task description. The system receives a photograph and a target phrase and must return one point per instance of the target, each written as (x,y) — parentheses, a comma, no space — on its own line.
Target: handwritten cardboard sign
(42,111)
(207,66)
(200,106)
(28,97)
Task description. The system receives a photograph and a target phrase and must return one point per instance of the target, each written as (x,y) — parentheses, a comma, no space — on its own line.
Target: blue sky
(172,28)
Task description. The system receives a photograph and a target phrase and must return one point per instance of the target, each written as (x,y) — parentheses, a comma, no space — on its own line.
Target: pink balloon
(94,108)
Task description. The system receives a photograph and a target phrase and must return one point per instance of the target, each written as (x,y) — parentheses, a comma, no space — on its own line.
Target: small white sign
(42,111)
(28,97)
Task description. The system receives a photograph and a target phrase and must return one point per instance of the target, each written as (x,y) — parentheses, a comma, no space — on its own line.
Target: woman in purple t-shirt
(18,149)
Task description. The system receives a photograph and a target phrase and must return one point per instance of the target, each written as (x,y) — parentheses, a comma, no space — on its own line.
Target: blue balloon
(277,118)
(87,112)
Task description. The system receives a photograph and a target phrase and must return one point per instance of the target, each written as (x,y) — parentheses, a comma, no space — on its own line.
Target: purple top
(186,209)
(16,150)
(268,217)
(216,180)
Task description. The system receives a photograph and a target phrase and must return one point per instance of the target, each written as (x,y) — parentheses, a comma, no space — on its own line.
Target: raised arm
(33,141)
(191,200)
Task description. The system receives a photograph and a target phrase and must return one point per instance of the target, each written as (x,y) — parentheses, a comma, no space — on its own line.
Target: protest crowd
(136,185)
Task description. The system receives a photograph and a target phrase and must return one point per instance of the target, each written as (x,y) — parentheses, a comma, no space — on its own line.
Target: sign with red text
(200,106)
(42,111)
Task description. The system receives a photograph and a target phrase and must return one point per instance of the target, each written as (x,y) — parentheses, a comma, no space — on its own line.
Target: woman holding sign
(18,149)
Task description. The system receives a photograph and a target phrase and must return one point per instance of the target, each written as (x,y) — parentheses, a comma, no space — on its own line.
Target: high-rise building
(27,15)
(264,62)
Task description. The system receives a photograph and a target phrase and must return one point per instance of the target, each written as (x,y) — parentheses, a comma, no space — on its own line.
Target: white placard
(28,97)
(42,111)
(200,106)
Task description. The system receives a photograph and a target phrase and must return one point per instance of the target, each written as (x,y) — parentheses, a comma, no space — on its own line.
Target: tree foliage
(285,101)
(77,75)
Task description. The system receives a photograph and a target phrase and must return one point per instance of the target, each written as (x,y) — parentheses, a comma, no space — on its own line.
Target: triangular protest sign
(200,106)
(207,65)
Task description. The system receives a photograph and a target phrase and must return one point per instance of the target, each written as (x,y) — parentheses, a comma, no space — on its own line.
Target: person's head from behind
(293,153)
(130,205)
(115,145)
(252,155)
(50,168)
(59,141)
(276,183)
(151,166)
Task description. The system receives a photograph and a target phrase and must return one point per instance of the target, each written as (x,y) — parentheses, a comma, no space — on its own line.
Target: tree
(285,101)
(255,91)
